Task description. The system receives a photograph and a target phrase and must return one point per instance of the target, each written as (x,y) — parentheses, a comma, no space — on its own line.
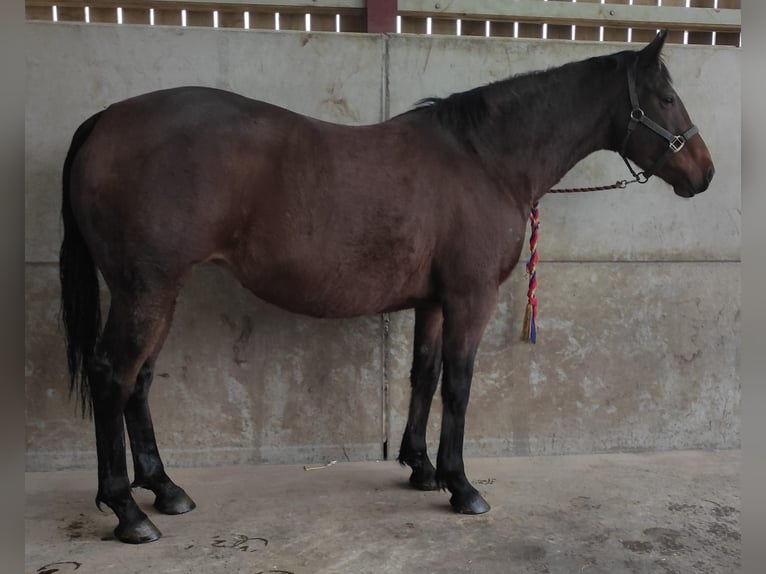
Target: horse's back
(318,218)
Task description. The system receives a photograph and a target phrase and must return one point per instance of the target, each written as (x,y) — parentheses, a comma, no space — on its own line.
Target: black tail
(80,304)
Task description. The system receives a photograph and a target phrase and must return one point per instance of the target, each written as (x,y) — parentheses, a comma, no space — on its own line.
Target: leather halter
(637,116)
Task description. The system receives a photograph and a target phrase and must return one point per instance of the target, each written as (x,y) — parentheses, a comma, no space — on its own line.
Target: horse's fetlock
(441,482)
(113,488)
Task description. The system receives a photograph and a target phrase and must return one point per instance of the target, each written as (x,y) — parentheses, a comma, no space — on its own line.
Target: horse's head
(660,136)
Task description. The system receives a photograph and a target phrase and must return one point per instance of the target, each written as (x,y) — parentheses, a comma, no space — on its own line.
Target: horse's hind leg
(426,367)
(149,472)
(132,329)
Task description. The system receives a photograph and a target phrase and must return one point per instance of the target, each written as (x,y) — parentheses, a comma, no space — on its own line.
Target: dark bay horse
(426,210)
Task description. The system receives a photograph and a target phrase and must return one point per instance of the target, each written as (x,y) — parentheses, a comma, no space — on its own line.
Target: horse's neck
(552,126)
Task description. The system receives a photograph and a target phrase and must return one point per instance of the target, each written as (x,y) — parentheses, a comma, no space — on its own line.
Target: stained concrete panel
(641,222)
(238,381)
(75,70)
(630,356)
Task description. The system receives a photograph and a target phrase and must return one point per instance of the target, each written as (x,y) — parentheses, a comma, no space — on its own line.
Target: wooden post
(381,16)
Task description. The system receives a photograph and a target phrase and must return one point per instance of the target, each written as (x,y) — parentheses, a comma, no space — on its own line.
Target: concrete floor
(666,513)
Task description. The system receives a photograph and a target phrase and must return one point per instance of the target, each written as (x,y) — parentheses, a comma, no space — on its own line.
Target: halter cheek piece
(637,116)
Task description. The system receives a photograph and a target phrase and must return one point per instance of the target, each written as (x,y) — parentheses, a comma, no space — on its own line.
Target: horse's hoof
(139,533)
(177,502)
(423,482)
(470,504)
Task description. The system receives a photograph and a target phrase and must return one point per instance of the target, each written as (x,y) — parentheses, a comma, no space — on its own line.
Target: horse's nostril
(710,174)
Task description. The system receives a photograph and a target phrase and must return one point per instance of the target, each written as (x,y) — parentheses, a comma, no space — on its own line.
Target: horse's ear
(650,56)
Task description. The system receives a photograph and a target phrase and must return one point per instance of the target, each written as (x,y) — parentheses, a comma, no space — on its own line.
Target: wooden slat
(413,25)
(134,16)
(202,18)
(103,15)
(231,18)
(473,28)
(644,14)
(701,37)
(353,22)
(588,33)
(728,38)
(642,34)
(262,20)
(674,36)
(529,30)
(444,26)
(336,6)
(167,17)
(559,31)
(350,10)
(588,16)
(44,13)
(291,21)
(618,15)
(305,6)
(612,33)
(501,29)
(323,22)
(71,14)
(556,32)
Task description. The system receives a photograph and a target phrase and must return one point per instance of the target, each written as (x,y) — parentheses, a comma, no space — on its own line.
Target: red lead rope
(529,330)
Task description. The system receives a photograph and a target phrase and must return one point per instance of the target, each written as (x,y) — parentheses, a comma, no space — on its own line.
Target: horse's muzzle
(691,188)
(708,177)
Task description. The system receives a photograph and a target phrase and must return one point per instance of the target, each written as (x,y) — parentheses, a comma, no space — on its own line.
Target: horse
(312,217)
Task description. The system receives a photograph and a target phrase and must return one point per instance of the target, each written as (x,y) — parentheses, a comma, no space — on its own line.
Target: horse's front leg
(464,323)
(426,368)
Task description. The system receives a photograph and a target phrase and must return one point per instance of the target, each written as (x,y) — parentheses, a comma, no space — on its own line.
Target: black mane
(460,113)
(464,113)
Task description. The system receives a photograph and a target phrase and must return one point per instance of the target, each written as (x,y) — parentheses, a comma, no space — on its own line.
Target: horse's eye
(668,100)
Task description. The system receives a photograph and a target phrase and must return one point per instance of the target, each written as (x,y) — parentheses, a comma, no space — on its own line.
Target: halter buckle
(636,114)
(677,143)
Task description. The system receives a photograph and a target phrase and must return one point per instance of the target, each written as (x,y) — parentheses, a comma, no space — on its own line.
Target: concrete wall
(640,291)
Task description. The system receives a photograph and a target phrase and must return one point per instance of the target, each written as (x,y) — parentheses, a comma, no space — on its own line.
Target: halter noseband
(637,116)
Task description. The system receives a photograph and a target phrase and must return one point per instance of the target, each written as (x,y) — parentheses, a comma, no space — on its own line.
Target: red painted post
(381,16)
